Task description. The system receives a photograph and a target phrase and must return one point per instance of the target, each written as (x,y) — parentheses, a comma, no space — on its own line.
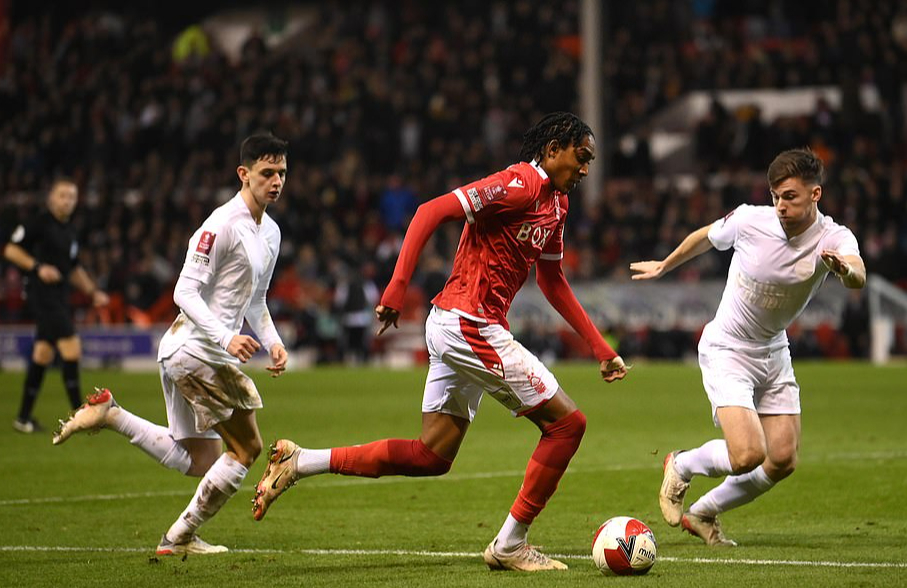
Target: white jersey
(232,258)
(771,278)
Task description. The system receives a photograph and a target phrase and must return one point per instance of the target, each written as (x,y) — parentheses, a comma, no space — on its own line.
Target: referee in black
(46,250)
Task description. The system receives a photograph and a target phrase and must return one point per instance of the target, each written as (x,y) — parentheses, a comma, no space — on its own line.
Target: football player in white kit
(210,402)
(782,255)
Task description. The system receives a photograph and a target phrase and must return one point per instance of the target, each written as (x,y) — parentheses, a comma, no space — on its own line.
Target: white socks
(733,492)
(313,461)
(154,440)
(711,459)
(511,536)
(221,482)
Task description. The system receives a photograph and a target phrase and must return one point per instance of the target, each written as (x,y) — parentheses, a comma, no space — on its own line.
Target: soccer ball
(624,546)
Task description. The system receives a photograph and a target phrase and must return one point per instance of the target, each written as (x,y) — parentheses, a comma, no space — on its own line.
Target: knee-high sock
(733,492)
(154,440)
(559,442)
(33,378)
(71,383)
(710,459)
(388,457)
(221,482)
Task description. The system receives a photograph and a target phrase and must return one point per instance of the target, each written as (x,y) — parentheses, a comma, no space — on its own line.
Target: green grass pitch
(90,512)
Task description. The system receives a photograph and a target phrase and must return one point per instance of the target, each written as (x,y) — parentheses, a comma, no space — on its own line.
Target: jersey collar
(535,165)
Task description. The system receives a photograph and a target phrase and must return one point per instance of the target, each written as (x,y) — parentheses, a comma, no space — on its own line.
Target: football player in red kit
(514,219)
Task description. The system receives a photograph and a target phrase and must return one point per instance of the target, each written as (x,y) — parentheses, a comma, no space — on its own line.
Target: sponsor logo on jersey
(538,236)
(201,259)
(206,242)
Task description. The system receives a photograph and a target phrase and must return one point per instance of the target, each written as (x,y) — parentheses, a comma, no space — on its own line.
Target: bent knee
(747,460)
(781,467)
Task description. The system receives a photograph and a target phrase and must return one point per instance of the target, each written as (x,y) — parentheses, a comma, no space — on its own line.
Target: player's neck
(256,209)
(801,228)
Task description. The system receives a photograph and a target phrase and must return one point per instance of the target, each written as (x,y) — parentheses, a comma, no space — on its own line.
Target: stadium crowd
(387,104)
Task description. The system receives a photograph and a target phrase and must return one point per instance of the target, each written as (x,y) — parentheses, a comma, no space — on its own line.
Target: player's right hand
(614,369)
(387,317)
(243,347)
(48,274)
(647,270)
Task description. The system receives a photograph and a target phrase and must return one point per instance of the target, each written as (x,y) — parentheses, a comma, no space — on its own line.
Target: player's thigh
(241,435)
(782,436)
(70,348)
(558,407)
(42,352)
(745,438)
(443,433)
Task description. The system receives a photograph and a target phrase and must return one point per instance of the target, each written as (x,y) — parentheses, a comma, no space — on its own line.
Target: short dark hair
(261,146)
(563,127)
(802,164)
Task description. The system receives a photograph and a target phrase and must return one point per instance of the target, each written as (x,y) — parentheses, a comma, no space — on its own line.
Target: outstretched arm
(553,284)
(428,217)
(695,244)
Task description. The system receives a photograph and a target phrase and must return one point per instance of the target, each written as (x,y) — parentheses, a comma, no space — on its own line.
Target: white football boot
(673,489)
(525,559)
(91,416)
(194,546)
(278,477)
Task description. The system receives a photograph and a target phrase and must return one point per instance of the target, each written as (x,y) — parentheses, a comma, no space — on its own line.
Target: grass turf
(90,512)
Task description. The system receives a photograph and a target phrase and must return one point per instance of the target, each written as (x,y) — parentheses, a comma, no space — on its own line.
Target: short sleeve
(206,246)
(842,240)
(723,232)
(26,235)
(501,191)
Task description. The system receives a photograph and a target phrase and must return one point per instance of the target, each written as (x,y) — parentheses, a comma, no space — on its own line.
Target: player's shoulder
(225,216)
(830,228)
(269,225)
(746,214)
(523,176)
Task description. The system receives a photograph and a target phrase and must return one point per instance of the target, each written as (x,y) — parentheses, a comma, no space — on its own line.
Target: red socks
(401,457)
(559,442)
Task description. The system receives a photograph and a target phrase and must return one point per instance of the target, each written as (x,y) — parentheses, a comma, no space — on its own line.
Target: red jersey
(514,217)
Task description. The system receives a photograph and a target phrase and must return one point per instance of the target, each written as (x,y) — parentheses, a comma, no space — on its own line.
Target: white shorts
(759,379)
(199,395)
(468,358)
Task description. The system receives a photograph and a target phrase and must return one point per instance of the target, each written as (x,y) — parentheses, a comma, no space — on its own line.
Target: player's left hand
(387,316)
(614,369)
(278,360)
(647,270)
(835,262)
(100,298)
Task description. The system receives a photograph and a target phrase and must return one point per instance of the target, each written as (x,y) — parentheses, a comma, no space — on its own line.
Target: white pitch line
(469,554)
(322,483)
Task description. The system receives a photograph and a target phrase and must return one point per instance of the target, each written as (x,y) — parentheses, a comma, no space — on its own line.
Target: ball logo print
(624,546)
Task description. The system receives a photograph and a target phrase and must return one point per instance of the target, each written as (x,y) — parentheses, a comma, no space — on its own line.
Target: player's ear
(816,194)
(552,148)
(243,173)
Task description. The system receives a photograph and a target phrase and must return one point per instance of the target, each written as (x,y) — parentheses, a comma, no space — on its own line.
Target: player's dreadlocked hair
(563,127)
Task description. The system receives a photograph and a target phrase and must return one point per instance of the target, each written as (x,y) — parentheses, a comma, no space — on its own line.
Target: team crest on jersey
(206,242)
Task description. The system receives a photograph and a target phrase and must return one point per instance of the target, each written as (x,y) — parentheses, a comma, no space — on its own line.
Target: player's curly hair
(563,127)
